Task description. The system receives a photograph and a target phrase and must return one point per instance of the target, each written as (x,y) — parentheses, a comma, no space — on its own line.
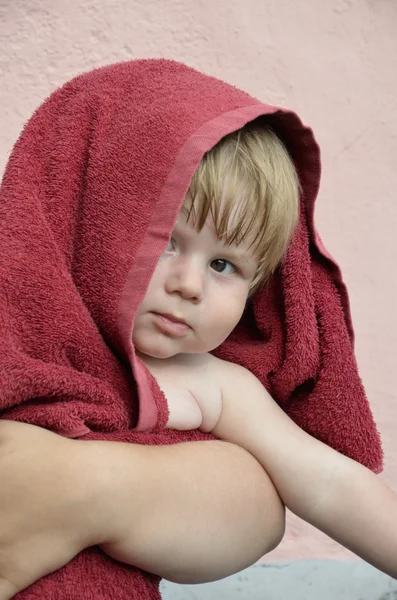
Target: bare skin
(332,492)
(107,493)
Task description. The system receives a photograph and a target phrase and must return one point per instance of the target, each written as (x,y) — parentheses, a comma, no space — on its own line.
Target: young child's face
(197,293)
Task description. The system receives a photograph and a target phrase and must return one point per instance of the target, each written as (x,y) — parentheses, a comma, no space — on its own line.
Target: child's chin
(156,351)
(163,355)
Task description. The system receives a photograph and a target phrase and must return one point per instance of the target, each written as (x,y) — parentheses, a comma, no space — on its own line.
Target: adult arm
(189,512)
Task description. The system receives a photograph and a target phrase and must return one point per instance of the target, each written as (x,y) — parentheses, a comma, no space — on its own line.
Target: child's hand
(43,520)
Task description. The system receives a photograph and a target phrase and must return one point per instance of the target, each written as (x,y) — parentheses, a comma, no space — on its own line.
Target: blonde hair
(252,165)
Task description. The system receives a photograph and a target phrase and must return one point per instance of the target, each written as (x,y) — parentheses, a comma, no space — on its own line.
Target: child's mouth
(170,325)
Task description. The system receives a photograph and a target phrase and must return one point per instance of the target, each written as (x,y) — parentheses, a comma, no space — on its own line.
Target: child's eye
(223,266)
(171,246)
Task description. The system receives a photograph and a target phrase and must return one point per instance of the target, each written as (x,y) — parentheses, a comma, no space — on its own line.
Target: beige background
(334,62)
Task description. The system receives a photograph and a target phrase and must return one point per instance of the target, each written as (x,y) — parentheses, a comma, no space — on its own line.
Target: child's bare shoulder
(232,372)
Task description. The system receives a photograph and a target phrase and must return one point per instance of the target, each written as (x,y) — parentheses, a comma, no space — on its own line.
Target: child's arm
(332,492)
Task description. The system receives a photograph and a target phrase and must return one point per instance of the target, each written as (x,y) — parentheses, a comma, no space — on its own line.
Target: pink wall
(334,62)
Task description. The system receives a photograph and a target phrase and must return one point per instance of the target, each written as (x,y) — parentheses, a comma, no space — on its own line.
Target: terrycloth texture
(88,201)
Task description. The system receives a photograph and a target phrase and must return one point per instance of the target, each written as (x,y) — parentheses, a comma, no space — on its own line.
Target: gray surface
(298,580)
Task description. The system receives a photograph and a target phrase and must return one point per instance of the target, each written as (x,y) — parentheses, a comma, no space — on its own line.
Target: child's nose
(186,279)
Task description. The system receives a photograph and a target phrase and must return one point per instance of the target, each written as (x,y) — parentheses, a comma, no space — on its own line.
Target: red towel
(88,200)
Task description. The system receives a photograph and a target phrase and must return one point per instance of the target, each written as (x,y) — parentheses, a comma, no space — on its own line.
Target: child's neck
(177,359)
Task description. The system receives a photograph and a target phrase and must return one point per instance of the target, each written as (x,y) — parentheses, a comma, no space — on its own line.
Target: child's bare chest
(192,387)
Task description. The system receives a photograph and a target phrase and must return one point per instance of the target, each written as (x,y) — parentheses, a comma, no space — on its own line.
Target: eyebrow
(228,249)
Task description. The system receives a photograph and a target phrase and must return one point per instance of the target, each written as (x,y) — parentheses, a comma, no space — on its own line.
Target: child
(89,198)
(230,235)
